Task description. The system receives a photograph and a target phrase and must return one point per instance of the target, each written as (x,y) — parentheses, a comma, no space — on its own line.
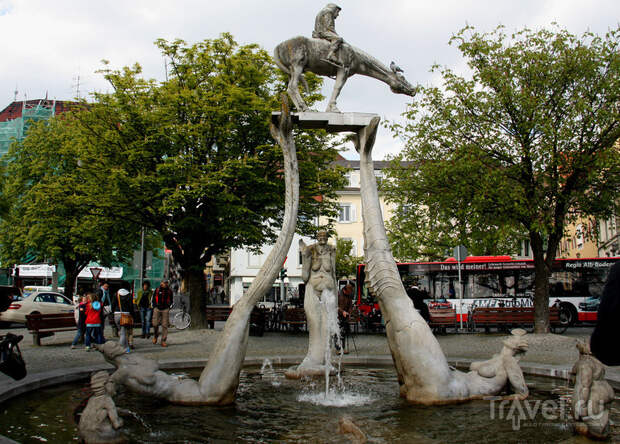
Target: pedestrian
(162,300)
(144,302)
(417,297)
(345,305)
(104,297)
(122,306)
(93,321)
(80,320)
(607,330)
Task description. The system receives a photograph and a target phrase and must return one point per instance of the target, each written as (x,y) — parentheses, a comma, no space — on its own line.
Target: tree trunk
(72,270)
(541,284)
(195,285)
(541,297)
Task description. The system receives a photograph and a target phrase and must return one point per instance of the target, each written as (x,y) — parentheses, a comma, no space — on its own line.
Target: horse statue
(299,54)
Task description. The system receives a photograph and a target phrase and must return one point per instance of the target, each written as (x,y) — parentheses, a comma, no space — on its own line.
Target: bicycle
(180,318)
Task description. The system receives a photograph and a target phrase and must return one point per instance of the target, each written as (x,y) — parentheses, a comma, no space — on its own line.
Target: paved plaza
(556,351)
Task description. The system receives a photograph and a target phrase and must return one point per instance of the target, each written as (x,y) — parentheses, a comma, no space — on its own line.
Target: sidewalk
(555,351)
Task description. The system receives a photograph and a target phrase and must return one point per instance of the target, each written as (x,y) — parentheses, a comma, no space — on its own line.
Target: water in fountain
(262,414)
(268,373)
(329,303)
(139,419)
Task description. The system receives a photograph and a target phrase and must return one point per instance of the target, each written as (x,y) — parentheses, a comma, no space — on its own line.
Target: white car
(44,302)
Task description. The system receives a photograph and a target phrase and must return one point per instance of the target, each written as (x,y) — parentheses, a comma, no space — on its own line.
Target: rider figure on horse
(325,28)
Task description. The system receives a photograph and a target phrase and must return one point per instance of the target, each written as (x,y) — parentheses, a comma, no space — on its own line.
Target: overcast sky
(47,45)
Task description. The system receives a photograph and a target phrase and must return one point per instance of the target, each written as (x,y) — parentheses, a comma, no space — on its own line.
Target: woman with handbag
(122,306)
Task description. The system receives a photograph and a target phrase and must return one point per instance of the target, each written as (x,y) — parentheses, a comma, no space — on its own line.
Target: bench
(217,313)
(222,313)
(505,317)
(294,318)
(442,318)
(44,325)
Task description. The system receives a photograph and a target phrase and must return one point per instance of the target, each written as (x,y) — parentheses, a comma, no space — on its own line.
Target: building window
(347,175)
(579,237)
(379,176)
(346,213)
(526,248)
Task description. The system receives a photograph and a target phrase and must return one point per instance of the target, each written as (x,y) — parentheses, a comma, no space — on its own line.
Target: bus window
(442,283)
(525,284)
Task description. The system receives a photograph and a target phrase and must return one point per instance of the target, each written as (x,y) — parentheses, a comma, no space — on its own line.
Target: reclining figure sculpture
(423,372)
(220,378)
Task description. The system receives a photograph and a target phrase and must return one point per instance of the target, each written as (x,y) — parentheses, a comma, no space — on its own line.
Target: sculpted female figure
(320,303)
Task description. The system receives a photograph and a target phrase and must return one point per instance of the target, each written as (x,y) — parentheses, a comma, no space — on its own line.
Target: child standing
(80,320)
(93,320)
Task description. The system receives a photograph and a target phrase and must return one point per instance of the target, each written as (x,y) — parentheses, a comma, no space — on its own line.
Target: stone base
(300,371)
(331,122)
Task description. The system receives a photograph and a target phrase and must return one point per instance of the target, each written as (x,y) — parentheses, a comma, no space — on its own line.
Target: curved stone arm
(220,378)
(423,372)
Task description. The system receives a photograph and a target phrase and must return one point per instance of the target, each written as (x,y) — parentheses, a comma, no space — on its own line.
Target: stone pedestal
(331,122)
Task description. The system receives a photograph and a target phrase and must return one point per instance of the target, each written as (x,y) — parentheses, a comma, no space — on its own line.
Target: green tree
(346,263)
(50,206)
(193,156)
(521,147)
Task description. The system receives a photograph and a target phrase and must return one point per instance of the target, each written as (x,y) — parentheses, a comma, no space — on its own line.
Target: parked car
(8,294)
(590,304)
(44,302)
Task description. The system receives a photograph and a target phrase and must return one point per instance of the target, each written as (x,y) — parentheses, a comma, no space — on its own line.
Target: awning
(36,270)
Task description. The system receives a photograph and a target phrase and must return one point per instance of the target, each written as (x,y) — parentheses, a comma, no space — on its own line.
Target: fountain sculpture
(320,306)
(318,55)
(220,378)
(99,422)
(423,372)
(592,395)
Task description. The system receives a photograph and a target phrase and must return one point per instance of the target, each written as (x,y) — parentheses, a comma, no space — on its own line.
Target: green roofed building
(16,118)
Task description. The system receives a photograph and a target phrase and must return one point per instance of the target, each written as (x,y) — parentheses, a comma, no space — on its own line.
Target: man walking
(144,302)
(162,300)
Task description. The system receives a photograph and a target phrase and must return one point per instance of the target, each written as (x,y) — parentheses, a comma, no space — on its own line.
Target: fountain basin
(271,408)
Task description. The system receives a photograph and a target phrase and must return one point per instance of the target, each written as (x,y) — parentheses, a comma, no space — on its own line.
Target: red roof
(14,110)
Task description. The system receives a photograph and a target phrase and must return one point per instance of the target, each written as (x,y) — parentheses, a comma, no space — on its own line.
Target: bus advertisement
(500,281)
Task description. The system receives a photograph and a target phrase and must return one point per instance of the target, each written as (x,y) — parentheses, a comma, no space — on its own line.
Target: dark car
(8,294)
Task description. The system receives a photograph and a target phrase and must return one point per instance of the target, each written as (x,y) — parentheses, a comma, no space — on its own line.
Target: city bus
(500,281)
